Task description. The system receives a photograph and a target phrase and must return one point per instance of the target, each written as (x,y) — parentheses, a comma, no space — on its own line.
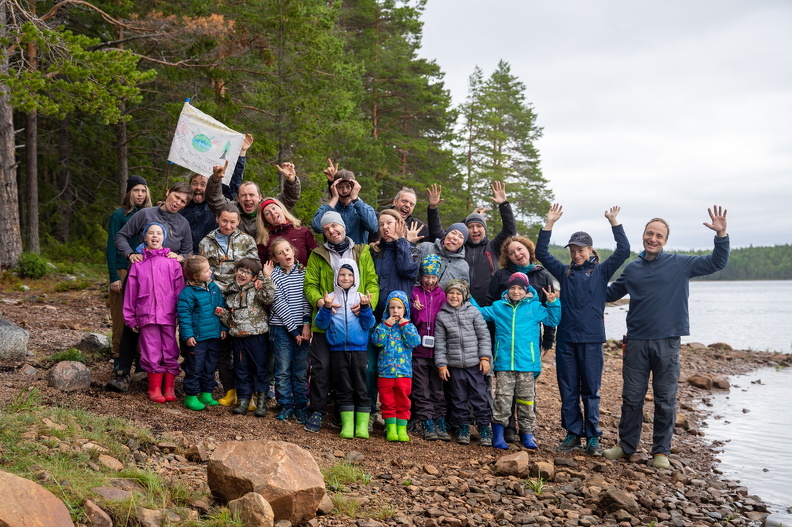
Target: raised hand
(417,304)
(412,232)
(498,192)
(267,268)
(246,142)
(355,190)
(365,300)
(611,215)
(331,170)
(218,171)
(718,216)
(287,170)
(327,301)
(433,195)
(550,295)
(553,215)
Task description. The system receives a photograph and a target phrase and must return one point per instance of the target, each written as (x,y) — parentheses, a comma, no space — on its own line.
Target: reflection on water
(754,422)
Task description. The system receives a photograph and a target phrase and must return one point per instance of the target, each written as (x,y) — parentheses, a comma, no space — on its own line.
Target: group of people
(433,327)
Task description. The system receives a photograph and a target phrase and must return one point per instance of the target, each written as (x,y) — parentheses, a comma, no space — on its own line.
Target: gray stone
(27,369)
(778,520)
(13,341)
(613,500)
(69,376)
(94,343)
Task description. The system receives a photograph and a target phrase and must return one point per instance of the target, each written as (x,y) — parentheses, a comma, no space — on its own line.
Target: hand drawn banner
(201,142)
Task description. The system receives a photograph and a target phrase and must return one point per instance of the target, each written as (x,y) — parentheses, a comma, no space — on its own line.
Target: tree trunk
(31,167)
(10,236)
(64,182)
(122,154)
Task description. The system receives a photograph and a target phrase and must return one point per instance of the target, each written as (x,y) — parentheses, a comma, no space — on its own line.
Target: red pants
(394,397)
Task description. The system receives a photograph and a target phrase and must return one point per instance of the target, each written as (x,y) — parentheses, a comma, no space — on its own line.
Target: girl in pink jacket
(150,299)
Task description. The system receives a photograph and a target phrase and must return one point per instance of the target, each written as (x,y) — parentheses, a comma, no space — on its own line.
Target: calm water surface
(757,315)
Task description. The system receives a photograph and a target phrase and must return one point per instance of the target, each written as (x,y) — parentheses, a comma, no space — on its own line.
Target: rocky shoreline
(425,483)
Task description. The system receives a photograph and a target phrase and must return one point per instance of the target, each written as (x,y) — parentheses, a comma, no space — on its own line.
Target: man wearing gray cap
(481,253)
(318,281)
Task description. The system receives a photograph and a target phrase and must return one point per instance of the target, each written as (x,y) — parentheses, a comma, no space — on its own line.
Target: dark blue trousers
(468,389)
(199,365)
(579,372)
(250,365)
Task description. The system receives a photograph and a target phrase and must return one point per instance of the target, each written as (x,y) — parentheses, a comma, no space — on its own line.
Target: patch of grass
(24,401)
(76,285)
(218,518)
(346,505)
(383,512)
(71,354)
(344,473)
(536,485)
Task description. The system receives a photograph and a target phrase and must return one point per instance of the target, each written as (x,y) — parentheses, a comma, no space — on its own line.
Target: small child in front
(347,335)
(246,318)
(150,297)
(518,360)
(463,353)
(428,397)
(397,336)
(201,332)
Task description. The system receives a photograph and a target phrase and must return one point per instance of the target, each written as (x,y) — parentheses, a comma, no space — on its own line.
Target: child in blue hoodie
(517,355)
(397,336)
(347,337)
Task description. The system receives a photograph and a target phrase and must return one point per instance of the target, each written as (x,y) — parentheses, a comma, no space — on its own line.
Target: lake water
(754,315)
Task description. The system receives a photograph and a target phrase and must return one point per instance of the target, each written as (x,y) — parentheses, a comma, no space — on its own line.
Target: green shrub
(31,265)
(76,285)
(71,354)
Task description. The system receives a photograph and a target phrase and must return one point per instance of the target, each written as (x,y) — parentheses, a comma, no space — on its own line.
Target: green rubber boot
(401,430)
(194,403)
(207,399)
(347,425)
(361,424)
(390,429)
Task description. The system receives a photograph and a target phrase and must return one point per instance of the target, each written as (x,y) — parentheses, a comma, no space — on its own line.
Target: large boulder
(69,376)
(13,341)
(26,503)
(283,473)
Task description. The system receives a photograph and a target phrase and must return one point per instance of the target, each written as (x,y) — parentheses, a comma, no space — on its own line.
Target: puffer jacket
(197,319)
(461,337)
(397,268)
(517,331)
(344,330)
(152,290)
(452,265)
(247,308)
(397,342)
(240,245)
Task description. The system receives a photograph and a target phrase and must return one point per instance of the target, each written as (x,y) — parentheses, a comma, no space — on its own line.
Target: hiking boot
(285,413)
(429,431)
(119,385)
(661,461)
(571,442)
(463,435)
(440,429)
(593,447)
(314,423)
(301,415)
(485,435)
(614,453)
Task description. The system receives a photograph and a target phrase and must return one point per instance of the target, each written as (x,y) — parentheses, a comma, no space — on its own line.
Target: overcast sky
(663,108)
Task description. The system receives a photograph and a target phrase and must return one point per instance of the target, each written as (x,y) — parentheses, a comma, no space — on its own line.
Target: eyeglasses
(244,272)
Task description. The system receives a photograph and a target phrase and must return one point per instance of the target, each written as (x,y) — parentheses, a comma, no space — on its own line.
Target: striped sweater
(291,308)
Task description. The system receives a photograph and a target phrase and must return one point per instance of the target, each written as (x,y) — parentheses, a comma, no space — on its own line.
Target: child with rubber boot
(201,332)
(150,298)
(463,356)
(246,317)
(428,397)
(347,335)
(397,337)
(518,357)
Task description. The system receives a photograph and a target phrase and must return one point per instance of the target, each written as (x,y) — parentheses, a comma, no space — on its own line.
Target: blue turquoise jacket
(517,331)
(397,341)
(344,330)
(197,303)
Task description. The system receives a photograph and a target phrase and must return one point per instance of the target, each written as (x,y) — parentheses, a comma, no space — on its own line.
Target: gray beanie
(332,216)
(461,227)
(475,217)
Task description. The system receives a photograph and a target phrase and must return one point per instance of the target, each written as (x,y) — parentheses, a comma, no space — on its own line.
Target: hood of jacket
(339,291)
(401,295)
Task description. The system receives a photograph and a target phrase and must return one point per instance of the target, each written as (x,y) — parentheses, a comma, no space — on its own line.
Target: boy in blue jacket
(201,332)
(347,336)
(518,357)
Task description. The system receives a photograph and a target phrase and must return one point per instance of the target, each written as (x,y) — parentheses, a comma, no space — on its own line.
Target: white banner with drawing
(201,142)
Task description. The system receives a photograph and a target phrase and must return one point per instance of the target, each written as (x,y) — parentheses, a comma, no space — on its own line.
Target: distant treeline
(747,263)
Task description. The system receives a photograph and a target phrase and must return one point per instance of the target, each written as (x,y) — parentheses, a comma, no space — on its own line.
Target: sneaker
(440,429)
(614,453)
(119,385)
(593,447)
(463,435)
(314,423)
(485,435)
(571,442)
(429,430)
(301,415)
(661,461)
(285,414)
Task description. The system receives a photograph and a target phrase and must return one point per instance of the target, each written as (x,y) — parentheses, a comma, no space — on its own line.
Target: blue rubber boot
(527,441)
(497,437)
